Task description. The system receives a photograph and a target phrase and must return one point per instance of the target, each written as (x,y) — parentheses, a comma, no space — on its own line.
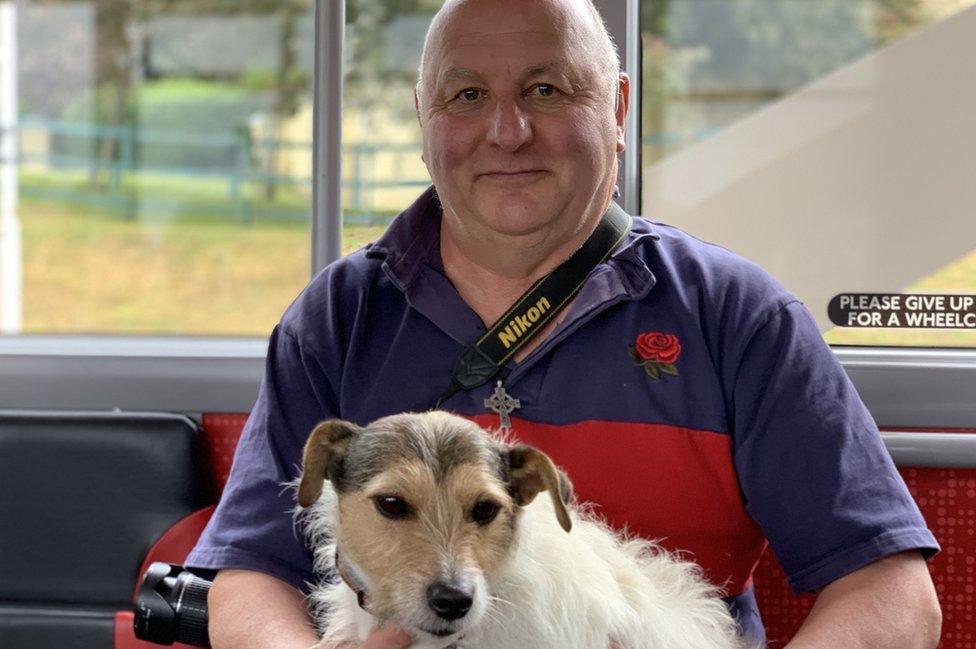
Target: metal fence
(129,170)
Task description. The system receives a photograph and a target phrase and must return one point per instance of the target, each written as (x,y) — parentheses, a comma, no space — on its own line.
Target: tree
(288,81)
(706,52)
(372,71)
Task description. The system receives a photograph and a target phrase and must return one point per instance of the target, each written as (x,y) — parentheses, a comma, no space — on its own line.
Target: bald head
(522,109)
(578,20)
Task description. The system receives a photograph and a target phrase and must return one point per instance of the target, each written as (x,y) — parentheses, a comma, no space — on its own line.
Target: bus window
(828,141)
(164,166)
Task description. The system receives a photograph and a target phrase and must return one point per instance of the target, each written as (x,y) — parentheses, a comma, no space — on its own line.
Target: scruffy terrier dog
(434,526)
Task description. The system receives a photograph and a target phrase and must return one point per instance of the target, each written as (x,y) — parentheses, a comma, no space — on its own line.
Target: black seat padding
(63,628)
(84,496)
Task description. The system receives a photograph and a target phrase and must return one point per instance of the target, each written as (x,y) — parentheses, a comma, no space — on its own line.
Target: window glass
(163,170)
(828,140)
(381,165)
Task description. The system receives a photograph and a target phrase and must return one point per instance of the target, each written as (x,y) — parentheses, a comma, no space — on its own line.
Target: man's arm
(251,610)
(888,604)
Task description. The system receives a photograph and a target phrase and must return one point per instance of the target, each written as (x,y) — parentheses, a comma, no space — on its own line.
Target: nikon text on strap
(537,307)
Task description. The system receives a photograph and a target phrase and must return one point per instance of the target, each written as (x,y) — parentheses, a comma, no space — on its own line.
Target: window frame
(903,387)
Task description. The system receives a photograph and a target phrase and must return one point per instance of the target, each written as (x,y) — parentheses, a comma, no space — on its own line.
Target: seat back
(947,499)
(85,496)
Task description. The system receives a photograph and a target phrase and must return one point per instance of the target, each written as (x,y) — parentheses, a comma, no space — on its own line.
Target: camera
(172,606)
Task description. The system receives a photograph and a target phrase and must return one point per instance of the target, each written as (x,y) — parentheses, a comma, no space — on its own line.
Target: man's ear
(416,107)
(416,103)
(621,106)
(322,458)
(531,471)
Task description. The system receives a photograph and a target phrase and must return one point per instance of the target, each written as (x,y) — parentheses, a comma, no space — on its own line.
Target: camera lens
(172,606)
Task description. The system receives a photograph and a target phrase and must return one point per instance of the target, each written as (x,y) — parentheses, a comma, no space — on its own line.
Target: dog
(433,525)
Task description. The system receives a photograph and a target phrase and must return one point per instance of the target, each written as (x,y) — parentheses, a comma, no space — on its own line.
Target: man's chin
(516,215)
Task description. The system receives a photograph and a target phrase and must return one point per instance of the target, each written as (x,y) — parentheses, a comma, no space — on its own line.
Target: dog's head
(428,509)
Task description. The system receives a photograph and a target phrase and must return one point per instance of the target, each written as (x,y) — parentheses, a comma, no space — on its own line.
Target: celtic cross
(502,403)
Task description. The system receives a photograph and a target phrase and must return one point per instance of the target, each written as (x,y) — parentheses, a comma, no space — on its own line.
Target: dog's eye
(391,506)
(484,512)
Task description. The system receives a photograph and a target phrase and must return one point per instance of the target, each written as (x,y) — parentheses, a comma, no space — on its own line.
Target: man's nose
(510,126)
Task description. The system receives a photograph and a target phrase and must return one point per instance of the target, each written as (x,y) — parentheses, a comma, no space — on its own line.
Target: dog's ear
(322,458)
(565,487)
(531,471)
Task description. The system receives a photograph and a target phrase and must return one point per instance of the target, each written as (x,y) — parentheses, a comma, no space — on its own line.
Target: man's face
(520,130)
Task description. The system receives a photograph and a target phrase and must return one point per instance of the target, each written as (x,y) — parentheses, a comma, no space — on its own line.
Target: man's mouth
(513,176)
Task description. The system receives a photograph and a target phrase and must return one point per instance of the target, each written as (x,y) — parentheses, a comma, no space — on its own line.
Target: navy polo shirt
(686,393)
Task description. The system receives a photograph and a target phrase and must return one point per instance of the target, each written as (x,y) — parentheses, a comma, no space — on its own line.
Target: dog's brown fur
(442,474)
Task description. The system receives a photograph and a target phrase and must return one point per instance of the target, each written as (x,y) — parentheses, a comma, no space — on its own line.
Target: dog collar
(353,584)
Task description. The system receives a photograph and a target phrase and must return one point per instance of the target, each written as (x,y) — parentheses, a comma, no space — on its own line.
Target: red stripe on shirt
(672,484)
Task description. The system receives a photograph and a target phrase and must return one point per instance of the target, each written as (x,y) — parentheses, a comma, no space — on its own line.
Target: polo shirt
(686,393)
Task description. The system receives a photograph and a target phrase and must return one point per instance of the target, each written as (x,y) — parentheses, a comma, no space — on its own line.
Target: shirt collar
(412,241)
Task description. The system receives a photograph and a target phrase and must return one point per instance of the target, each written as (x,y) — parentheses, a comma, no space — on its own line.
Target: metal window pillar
(330,20)
(11,254)
(622,18)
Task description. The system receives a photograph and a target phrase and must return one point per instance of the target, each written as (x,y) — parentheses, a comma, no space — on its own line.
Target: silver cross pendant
(502,403)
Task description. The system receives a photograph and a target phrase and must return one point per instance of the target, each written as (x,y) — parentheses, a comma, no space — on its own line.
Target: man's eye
(469,95)
(391,506)
(543,90)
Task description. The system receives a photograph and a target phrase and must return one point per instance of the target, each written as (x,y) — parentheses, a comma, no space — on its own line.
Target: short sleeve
(811,463)
(252,527)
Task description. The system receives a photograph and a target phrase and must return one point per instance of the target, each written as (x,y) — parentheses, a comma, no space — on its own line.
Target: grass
(200,197)
(89,272)
(85,272)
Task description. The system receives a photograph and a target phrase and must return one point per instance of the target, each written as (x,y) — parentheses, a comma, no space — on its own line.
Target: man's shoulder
(334,293)
(714,277)
(688,252)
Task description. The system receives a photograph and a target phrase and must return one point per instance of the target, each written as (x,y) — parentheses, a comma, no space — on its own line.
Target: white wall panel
(862,181)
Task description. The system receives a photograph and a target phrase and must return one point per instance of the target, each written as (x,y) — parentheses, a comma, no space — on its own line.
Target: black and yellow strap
(481,361)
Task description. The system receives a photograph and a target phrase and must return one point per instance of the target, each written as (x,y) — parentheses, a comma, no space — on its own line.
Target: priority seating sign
(903,310)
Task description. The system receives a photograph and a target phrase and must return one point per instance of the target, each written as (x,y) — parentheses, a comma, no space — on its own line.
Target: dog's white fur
(586,589)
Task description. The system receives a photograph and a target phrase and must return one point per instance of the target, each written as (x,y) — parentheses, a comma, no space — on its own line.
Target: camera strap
(523,321)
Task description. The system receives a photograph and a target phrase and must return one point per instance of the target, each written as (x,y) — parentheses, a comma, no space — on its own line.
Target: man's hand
(386,638)
(890,604)
(251,610)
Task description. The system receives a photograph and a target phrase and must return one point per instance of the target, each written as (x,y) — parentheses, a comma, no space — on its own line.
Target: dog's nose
(448,602)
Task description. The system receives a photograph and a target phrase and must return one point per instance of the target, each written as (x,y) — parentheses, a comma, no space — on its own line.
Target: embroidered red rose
(655,346)
(656,352)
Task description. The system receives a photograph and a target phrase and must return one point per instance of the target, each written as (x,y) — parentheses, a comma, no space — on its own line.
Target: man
(684,391)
